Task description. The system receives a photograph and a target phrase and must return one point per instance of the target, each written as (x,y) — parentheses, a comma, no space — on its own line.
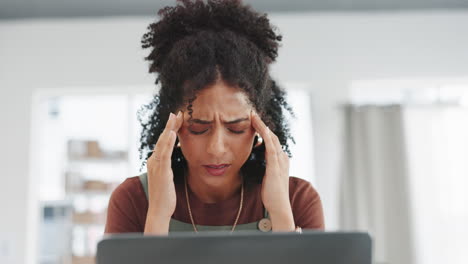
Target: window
(436,143)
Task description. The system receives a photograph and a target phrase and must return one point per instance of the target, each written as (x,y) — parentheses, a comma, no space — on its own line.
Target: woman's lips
(216,170)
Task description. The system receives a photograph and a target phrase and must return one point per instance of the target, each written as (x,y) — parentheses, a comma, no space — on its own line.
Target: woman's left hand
(275,186)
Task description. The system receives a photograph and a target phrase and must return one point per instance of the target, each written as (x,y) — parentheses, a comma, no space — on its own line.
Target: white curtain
(374,185)
(405,181)
(437,139)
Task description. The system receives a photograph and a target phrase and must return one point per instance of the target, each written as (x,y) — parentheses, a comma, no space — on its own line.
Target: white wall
(330,51)
(326,50)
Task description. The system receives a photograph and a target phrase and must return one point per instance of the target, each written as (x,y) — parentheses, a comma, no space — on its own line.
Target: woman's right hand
(161,190)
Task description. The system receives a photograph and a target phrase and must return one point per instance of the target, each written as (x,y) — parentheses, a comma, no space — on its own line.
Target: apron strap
(144,182)
(265,214)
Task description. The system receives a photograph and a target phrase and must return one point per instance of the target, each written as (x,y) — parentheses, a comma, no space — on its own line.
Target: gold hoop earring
(259,140)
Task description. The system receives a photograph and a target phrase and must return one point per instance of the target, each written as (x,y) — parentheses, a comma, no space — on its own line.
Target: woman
(222,162)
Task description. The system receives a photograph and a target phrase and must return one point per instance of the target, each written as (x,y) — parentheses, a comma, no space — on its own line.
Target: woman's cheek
(244,143)
(186,144)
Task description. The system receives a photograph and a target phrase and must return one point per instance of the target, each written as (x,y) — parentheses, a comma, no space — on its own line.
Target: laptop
(237,248)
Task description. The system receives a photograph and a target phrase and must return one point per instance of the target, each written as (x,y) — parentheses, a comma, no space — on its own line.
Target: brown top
(128,206)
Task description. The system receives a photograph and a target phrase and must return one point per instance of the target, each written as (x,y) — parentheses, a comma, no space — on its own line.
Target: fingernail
(179,114)
(171,115)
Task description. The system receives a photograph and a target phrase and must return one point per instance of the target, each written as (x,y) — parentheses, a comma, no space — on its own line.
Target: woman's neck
(214,194)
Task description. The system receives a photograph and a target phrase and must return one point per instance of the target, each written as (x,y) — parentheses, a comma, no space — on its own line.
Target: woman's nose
(216,145)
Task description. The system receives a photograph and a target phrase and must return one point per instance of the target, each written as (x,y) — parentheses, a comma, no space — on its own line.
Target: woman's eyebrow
(205,122)
(237,121)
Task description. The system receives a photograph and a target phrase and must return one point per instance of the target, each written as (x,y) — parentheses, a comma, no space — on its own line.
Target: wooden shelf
(89,218)
(83,259)
(84,157)
(92,187)
(95,185)
(90,150)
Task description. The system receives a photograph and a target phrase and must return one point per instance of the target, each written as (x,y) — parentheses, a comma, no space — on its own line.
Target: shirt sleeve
(121,212)
(306,205)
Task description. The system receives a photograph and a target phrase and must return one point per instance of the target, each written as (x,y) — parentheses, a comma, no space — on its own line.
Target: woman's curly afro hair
(194,44)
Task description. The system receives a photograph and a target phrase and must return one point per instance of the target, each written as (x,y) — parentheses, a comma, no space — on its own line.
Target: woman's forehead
(221,99)
(226,114)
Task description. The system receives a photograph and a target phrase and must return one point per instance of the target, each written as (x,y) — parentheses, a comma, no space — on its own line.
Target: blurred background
(380,89)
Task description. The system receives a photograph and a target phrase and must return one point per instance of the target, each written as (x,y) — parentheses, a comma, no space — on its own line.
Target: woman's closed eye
(236,131)
(195,132)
